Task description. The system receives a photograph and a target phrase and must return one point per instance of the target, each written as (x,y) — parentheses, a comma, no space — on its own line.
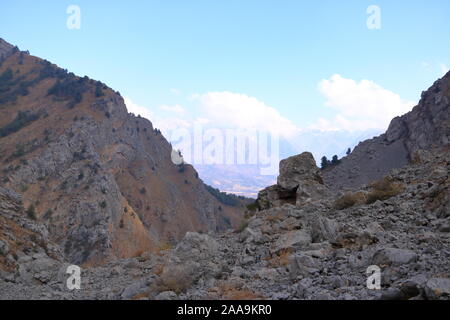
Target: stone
(303,286)
(4,248)
(436,288)
(393,256)
(297,169)
(324,229)
(301,264)
(392,294)
(167,295)
(135,289)
(292,240)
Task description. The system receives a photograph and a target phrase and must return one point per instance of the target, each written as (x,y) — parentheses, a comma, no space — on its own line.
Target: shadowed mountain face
(425,127)
(101,179)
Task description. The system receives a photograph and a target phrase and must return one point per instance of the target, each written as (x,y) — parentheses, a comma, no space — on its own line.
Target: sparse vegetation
(384,189)
(281,259)
(242,226)
(31,212)
(225,198)
(344,202)
(175,279)
(103,204)
(335,160)
(252,206)
(19,152)
(98,90)
(181,167)
(230,292)
(48,214)
(22,119)
(164,246)
(325,163)
(70,87)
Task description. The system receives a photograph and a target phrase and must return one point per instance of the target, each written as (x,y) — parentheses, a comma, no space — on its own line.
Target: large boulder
(292,241)
(300,181)
(4,248)
(436,288)
(297,169)
(195,257)
(393,256)
(274,196)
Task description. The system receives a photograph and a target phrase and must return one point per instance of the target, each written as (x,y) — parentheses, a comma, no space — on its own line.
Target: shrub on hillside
(176,279)
(223,197)
(22,119)
(349,200)
(70,87)
(31,212)
(383,189)
(242,226)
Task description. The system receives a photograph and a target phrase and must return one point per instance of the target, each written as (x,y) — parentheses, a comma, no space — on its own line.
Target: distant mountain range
(247,180)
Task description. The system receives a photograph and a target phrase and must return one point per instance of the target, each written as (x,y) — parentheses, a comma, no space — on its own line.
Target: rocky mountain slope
(316,249)
(101,180)
(302,239)
(426,126)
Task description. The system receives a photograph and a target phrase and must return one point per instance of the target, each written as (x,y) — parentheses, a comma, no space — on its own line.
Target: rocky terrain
(307,237)
(318,249)
(104,182)
(425,127)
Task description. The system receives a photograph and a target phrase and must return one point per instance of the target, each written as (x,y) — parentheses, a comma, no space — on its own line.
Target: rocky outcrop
(299,182)
(101,179)
(21,237)
(425,127)
(313,251)
(6,49)
(99,182)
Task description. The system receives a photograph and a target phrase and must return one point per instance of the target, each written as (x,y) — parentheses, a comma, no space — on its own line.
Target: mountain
(99,178)
(247,180)
(425,127)
(77,173)
(320,245)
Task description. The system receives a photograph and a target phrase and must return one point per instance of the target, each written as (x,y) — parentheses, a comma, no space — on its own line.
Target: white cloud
(137,109)
(444,69)
(235,110)
(175,91)
(162,123)
(425,65)
(175,109)
(359,105)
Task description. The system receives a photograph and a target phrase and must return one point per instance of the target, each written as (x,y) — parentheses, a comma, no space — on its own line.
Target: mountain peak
(5,49)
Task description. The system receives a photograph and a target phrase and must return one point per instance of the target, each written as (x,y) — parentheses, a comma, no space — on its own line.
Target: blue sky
(160,53)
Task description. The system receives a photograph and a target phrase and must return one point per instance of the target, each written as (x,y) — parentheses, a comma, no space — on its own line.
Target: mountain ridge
(101,179)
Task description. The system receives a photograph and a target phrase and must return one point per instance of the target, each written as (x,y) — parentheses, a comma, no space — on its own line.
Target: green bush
(31,212)
(23,119)
(252,206)
(223,197)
